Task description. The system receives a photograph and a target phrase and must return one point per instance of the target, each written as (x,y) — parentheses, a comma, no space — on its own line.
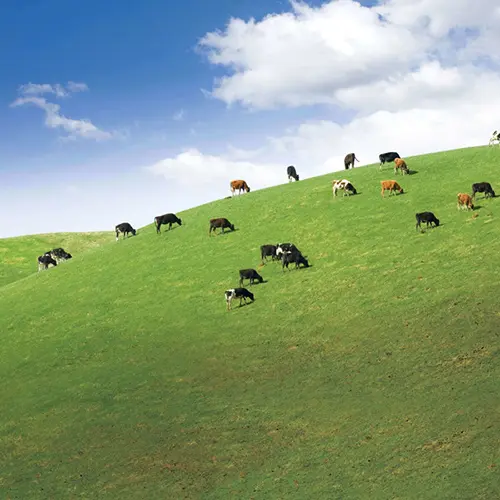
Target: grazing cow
(44,261)
(166,219)
(281,248)
(427,217)
(292,173)
(125,228)
(387,157)
(345,185)
(495,137)
(238,185)
(293,256)
(482,187)
(59,255)
(237,293)
(268,251)
(391,186)
(222,223)
(250,274)
(349,161)
(400,164)
(464,201)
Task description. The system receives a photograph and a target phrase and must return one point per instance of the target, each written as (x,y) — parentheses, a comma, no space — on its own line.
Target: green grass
(373,374)
(18,256)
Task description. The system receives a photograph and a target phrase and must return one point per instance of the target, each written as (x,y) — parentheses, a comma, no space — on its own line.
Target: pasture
(18,255)
(372,374)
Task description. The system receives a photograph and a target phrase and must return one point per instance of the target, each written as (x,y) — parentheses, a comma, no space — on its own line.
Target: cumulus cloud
(312,55)
(415,75)
(31,95)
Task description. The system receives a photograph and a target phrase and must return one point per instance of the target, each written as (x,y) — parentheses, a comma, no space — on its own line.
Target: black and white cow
(293,257)
(44,261)
(428,217)
(281,248)
(59,255)
(387,157)
(495,137)
(166,219)
(268,251)
(250,274)
(292,173)
(483,187)
(237,293)
(125,228)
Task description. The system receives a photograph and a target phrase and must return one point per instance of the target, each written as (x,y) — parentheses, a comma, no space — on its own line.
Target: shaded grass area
(18,256)
(372,374)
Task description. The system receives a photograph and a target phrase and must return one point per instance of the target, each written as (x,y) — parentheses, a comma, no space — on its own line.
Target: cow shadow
(412,172)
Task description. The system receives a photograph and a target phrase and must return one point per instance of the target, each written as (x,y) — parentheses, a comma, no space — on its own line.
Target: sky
(112,115)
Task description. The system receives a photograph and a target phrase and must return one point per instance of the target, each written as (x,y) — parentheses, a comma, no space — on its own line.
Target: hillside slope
(372,374)
(18,255)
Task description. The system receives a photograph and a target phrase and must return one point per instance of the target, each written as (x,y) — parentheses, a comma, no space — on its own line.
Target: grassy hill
(18,255)
(373,374)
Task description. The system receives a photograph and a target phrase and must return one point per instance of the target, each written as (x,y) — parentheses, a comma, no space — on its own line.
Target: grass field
(373,374)
(18,256)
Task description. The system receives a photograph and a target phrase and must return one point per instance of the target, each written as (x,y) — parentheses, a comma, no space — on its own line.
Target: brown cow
(464,201)
(239,185)
(391,186)
(400,164)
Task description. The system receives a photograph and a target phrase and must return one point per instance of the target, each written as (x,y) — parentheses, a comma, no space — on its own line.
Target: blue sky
(143,73)
(141,67)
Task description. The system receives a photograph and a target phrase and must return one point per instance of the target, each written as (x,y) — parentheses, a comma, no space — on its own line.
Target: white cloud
(417,75)
(179,115)
(313,55)
(53,118)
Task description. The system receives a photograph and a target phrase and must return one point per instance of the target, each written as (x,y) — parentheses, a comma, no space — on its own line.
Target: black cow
(166,219)
(237,293)
(284,247)
(222,223)
(427,217)
(250,274)
(349,161)
(59,254)
(268,251)
(291,257)
(483,187)
(292,173)
(125,228)
(44,261)
(387,157)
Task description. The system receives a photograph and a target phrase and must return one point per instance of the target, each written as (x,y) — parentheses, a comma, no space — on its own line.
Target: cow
(495,137)
(238,185)
(281,248)
(59,255)
(427,217)
(250,274)
(400,164)
(125,228)
(391,186)
(482,187)
(464,201)
(44,261)
(345,185)
(387,157)
(292,173)
(349,161)
(237,293)
(268,251)
(222,223)
(293,257)
(166,219)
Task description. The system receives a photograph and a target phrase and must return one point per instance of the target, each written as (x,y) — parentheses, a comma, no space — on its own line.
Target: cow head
(436,221)
(232,227)
(180,222)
